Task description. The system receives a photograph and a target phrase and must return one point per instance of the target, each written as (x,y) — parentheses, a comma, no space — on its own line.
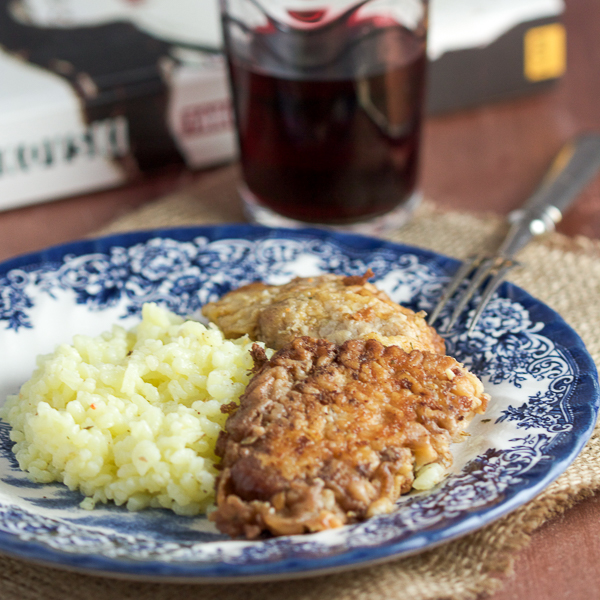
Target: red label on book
(206,118)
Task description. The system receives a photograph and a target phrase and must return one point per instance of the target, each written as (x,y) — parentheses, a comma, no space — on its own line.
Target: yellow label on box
(545,52)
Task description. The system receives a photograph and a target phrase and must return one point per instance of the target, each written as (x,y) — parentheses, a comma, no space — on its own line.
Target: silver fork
(573,167)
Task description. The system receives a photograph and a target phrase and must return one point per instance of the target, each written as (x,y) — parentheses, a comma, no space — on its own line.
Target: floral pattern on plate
(542,382)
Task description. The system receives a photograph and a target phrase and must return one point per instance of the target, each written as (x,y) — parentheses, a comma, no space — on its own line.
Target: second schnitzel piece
(327,435)
(332,307)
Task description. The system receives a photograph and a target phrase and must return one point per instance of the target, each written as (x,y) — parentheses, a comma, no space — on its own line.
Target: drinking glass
(328,101)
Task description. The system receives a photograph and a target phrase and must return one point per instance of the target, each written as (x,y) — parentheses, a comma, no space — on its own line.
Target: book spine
(44,157)
(200,116)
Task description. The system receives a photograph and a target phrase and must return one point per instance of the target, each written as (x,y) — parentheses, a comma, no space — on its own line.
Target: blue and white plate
(543,385)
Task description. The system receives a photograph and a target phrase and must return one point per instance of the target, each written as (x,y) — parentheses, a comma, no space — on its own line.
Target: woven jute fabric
(560,271)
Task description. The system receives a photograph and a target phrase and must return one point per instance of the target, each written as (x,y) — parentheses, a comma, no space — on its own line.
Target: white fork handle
(571,170)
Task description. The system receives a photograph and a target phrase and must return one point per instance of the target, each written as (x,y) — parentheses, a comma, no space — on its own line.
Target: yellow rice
(131,416)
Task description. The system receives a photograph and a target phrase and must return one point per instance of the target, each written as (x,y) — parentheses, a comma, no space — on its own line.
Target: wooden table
(488,158)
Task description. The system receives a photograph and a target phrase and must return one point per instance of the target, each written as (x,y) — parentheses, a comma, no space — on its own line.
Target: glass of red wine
(328,100)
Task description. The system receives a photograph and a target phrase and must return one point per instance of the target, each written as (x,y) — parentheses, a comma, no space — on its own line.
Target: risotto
(132,416)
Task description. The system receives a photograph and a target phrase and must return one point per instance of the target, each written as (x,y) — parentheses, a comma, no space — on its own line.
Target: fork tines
(482,267)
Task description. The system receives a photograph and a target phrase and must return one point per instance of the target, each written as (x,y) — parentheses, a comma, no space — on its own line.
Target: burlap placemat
(563,272)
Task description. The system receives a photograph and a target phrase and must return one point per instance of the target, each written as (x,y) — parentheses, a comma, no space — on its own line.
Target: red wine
(332,150)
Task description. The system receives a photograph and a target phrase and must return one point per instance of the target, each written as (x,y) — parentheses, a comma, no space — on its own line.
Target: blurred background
(131,96)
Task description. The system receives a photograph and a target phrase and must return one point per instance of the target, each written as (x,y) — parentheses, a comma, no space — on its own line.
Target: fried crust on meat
(331,307)
(327,435)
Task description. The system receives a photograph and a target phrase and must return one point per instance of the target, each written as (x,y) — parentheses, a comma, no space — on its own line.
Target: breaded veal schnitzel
(331,307)
(330,434)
